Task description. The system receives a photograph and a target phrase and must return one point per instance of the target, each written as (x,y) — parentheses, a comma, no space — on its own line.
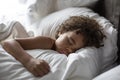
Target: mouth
(63,51)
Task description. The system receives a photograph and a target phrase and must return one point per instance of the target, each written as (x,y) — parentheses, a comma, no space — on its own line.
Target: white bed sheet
(113,74)
(73,67)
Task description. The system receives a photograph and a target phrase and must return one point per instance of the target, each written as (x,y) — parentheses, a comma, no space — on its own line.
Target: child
(75,33)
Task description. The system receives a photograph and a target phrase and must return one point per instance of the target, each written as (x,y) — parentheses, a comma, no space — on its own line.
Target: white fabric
(62,4)
(82,65)
(49,25)
(37,9)
(6,29)
(113,74)
(12,29)
(10,69)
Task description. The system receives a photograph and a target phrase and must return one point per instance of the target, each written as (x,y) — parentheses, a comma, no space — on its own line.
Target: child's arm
(16,49)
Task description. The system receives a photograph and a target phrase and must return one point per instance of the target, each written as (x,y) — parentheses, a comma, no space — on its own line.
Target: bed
(84,64)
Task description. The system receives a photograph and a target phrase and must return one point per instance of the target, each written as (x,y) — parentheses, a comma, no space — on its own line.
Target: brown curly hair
(88,27)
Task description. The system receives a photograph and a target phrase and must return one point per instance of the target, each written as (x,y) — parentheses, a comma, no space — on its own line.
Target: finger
(30,69)
(43,70)
(39,73)
(45,67)
(34,72)
(40,68)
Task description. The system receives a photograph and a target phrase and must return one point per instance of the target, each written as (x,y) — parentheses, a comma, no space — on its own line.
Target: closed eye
(71,41)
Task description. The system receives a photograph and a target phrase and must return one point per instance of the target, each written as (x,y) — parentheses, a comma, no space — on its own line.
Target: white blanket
(81,66)
(10,69)
(12,29)
(84,64)
(6,29)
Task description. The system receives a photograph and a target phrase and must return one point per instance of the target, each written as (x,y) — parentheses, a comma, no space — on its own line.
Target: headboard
(111,10)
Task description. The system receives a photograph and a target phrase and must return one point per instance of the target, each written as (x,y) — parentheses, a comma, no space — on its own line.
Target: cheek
(80,44)
(61,42)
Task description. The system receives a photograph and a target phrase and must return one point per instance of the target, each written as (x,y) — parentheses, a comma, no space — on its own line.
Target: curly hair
(88,27)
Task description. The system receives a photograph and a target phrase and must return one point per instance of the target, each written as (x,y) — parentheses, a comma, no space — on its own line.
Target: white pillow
(83,64)
(49,25)
(37,9)
(62,4)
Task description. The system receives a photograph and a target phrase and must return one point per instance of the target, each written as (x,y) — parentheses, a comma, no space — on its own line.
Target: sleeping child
(74,33)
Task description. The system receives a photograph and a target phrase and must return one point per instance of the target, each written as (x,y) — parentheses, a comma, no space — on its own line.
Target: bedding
(84,64)
(49,25)
(12,29)
(6,29)
(74,67)
(113,74)
(62,4)
(11,69)
(38,9)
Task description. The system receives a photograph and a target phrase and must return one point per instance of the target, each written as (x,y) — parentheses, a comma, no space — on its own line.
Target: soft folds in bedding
(84,64)
(38,9)
(49,25)
(10,69)
(113,74)
(80,65)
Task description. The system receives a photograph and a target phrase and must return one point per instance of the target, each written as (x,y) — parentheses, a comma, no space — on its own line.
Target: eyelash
(69,41)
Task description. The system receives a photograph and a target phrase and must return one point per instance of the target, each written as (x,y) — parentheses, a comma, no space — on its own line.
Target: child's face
(69,42)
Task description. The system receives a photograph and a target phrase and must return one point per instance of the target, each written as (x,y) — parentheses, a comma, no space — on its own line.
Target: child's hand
(38,67)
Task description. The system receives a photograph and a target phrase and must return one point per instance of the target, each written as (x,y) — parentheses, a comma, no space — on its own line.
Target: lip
(63,51)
